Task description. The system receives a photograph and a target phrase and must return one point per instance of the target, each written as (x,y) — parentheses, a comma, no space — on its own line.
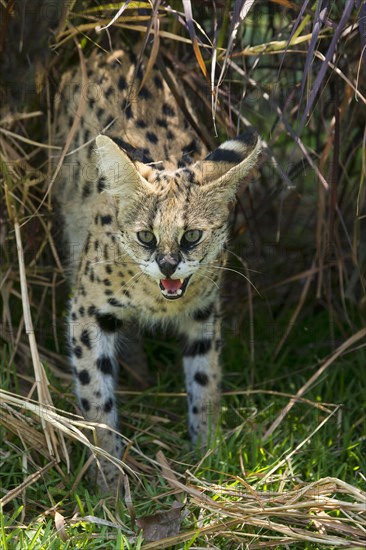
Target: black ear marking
(235,150)
(224,155)
(136,154)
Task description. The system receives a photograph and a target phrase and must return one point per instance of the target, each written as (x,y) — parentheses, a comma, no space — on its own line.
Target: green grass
(337,449)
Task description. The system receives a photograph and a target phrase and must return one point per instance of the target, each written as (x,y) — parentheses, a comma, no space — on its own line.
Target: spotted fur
(133,171)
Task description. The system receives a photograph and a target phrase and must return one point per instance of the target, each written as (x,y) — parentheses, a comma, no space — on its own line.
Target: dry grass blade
(241,9)
(321,74)
(295,28)
(362,30)
(167,472)
(115,17)
(44,396)
(28,481)
(189,18)
(319,21)
(155,25)
(361,334)
(301,514)
(54,421)
(71,33)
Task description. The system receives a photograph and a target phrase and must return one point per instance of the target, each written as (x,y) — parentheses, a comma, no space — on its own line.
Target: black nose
(168,263)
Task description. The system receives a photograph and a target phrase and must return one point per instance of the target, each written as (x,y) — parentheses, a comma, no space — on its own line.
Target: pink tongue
(171,284)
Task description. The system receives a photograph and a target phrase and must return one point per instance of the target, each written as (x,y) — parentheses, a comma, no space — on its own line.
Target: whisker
(241,260)
(209,278)
(130,280)
(238,273)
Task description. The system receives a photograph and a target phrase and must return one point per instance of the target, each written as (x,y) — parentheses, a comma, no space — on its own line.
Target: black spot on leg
(104,364)
(203,314)
(85,404)
(108,322)
(108,405)
(91,310)
(195,410)
(199,347)
(78,352)
(101,184)
(201,378)
(85,338)
(86,190)
(192,430)
(84,377)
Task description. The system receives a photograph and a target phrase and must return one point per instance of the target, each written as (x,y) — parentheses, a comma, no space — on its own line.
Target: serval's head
(174,224)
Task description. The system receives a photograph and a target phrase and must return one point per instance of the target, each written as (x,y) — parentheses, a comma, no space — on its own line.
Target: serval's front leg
(202,336)
(93,343)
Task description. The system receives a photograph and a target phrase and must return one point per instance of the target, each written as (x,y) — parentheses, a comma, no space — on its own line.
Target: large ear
(227,166)
(123,177)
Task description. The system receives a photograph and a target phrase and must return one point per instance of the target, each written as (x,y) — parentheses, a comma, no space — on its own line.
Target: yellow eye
(147,238)
(191,238)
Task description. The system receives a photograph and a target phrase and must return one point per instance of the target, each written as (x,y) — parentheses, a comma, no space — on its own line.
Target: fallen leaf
(163,524)
(60,526)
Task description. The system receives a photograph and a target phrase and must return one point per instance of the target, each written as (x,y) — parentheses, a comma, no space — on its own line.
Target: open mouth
(172,289)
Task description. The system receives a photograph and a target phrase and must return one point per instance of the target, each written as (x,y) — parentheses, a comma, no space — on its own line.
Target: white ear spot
(232,161)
